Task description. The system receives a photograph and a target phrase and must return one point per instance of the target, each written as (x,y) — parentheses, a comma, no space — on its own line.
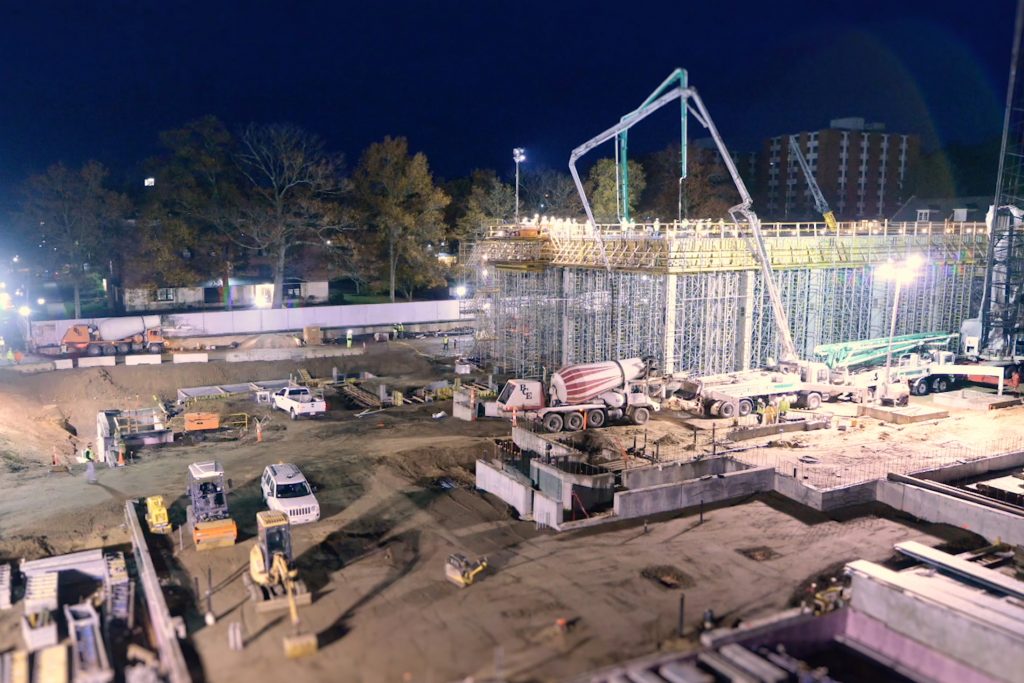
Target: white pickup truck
(297,401)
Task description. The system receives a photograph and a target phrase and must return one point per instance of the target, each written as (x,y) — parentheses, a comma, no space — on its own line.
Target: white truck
(298,401)
(582,396)
(736,394)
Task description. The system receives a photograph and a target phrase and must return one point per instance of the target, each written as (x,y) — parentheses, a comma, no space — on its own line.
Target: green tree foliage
(706,192)
(288,199)
(547,192)
(401,208)
(601,189)
(78,220)
(190,214)
(489,202)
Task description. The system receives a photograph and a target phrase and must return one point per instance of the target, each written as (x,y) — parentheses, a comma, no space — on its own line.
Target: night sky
(467,81)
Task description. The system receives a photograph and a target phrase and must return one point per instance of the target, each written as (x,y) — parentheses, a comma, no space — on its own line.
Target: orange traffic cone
(120,457)
(259,432)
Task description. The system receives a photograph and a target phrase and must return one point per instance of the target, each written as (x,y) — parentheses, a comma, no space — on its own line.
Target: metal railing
(571,229)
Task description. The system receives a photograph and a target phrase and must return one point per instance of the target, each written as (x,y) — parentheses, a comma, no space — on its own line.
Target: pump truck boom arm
(819,199)
(696,107)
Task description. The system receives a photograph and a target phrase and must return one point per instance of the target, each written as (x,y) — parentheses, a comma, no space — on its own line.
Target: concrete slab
(901,416)
(191,357)
(99,361)
(64,364)
(969,399)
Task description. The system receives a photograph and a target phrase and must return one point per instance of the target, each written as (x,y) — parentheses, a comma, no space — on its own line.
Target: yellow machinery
(212,526)
(273,581)
(156,515)
(462,571)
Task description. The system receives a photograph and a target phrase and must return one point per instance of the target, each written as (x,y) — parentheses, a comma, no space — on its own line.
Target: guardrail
(172,660)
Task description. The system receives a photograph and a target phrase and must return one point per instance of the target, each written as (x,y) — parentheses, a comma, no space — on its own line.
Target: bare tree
(291,180)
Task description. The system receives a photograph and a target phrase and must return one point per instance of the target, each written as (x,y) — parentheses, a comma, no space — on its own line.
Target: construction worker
(348,339)
(394,331)
(87,453)
(783,407)
(769,414)
(445,342)
(1015,383)
(760,411)
(401,330)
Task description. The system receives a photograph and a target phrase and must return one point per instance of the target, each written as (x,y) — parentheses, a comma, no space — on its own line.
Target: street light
(24,311)
(460,291)
(901,273)
(518,156)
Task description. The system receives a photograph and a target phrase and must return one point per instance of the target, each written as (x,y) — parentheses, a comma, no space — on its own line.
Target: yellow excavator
(273,581)
(156,515)
(462,571)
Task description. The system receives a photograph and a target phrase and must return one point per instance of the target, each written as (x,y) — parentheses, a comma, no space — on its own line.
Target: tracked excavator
(273,581)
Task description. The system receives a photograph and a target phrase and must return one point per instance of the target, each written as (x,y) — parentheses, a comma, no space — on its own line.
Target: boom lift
(819,199)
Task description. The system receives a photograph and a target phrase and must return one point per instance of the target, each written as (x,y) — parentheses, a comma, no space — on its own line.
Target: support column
(668,347)
(745,320)
(568,339)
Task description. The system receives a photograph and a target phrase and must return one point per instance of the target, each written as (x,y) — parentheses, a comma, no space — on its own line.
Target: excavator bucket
(300,645)
(217,534)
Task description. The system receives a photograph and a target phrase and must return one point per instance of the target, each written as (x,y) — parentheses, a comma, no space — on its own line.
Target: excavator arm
(819,199)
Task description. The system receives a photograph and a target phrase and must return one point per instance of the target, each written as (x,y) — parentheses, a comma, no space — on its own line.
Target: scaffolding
(690,295)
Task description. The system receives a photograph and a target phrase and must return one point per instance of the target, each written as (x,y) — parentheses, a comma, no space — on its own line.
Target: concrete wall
(668,497)
(89,362)
(512,488)
(250,321)
(894,600)
(546,510)
(974,468)
(529,441)
(935,507)
(667,473)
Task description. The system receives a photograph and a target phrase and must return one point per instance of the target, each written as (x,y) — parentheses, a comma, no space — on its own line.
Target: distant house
(954,209)
(244,292)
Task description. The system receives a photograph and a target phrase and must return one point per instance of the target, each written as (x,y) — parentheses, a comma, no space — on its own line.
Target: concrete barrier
(668,497)
(516,491)
(260,355)
(148,359)
(678,471)
(974,468)
(98,361)
(191,357)
(994,525)
(64,364)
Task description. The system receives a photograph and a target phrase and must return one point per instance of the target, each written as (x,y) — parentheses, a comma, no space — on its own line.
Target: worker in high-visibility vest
(446,342)
(348,339)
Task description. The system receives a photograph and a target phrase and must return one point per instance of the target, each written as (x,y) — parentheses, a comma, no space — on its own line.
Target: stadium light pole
(518,156)
(902,273)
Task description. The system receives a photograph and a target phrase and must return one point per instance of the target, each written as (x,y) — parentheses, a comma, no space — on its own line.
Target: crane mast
(819,199)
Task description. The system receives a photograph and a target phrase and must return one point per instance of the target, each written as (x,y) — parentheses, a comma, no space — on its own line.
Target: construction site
(688,450)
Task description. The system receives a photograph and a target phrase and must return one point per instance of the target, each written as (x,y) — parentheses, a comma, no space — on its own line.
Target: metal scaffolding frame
(698,303)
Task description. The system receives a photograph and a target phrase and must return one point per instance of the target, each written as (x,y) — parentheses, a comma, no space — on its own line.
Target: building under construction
(690,294)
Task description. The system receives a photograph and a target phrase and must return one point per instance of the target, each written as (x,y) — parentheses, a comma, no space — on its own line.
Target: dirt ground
(382,609)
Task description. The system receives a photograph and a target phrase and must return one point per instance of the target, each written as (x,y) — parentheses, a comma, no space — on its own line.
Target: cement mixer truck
(112,336)
(582,396)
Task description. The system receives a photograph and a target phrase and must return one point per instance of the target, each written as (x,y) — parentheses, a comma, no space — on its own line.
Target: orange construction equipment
(201,422)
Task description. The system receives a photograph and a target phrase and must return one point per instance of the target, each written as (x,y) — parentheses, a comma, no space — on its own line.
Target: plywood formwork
(690,295)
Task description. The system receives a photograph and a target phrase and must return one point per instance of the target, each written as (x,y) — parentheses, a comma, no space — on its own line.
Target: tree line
(221,199)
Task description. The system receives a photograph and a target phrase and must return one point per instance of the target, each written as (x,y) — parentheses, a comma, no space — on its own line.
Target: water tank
(113,329)
(583,383)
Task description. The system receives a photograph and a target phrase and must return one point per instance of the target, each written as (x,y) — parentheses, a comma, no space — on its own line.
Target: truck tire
(124,348)
(109,350)
(812,400)
(93,350)
(156,348)
(745,407)
(573,422)
(595,418)
(940,384)
(920,387)
(293,414)
(727,410)
(553,422)
(640,416)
